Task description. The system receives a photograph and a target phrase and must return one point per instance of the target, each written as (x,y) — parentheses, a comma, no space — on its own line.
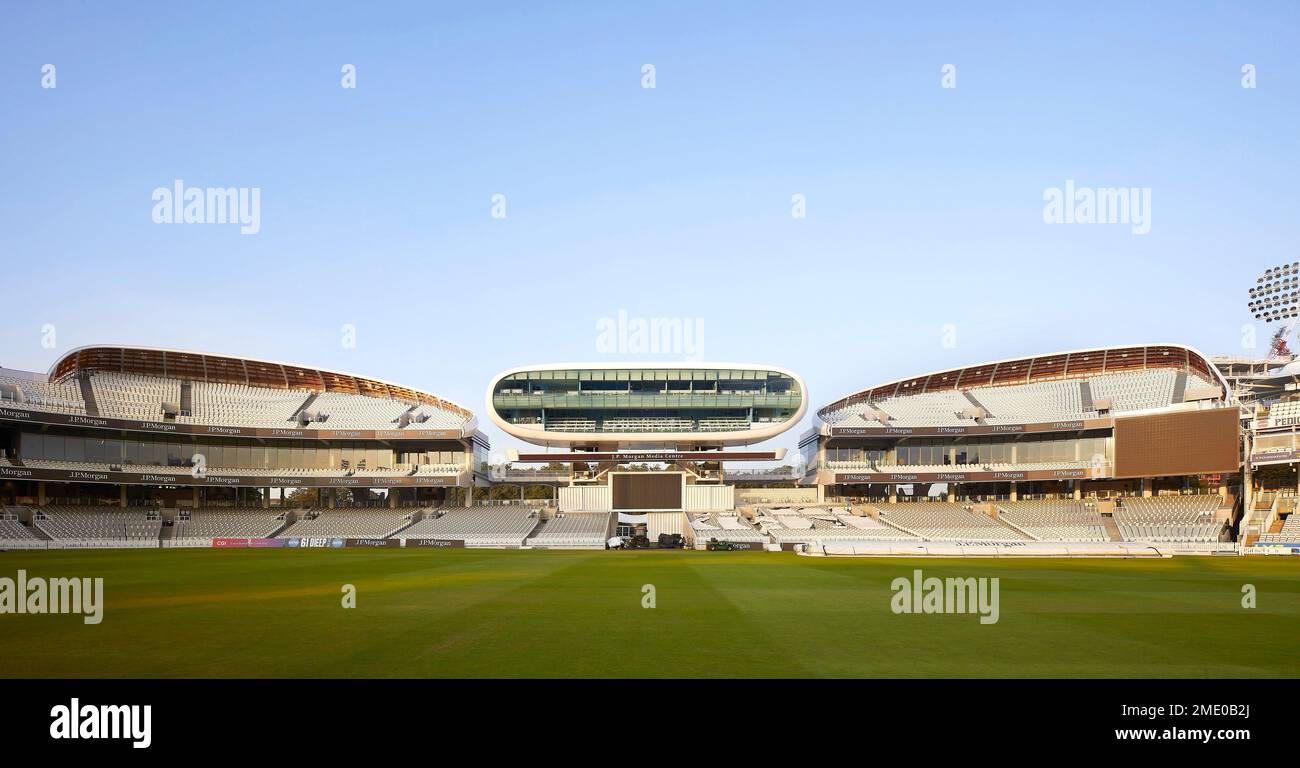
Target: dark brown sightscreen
(647,491)
(1186,443)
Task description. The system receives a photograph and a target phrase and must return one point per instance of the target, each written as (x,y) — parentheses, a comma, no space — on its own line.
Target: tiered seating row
(1056,519)
(237,405)
(505,526)
(98,523)
(1187,518)
(129,396)
(348,524)
(41,396)
(814,524)
(222,523)
(11,530)
(399,471)
(575,529)
(1288,534)
(938,521)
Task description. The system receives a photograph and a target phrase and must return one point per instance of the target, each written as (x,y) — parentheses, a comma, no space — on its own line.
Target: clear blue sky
(924,204)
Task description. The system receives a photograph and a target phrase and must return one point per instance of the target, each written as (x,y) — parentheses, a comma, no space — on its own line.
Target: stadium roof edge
(630,364)
(470,426)
(1209,365)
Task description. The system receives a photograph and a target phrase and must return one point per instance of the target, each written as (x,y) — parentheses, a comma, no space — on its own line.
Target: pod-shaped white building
(612,406)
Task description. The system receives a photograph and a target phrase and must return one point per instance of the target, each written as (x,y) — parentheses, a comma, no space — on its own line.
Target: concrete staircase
(1085,396)
(971,399)
(1112,530)
(1180,386)
(298,414)
(88,394)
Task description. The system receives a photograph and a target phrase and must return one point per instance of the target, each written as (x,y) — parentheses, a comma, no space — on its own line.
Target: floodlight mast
(1276,297)
(1278,347)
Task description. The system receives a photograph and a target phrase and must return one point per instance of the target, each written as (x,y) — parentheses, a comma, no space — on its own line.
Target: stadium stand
(492,526)
(348,524)
(985,467)
(933,409)
(47,460)
(811,525)
(1287,409)
(649,424)
(11,529)
(89,524)
(1140,390)
(439,469)
(1039,401)
(1055,519)
(15,535)
(64,397)
(1187,518)
(237,405)
(570,425)
(1030,466)
(937,521)
(428,417)
(343,411)
(89,466)
(204,524)
(128,396)
(86,466)
(1288,534)
(725,528)
(191,388)
(573,530)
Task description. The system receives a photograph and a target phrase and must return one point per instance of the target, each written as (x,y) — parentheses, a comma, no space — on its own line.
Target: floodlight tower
(1275,298)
